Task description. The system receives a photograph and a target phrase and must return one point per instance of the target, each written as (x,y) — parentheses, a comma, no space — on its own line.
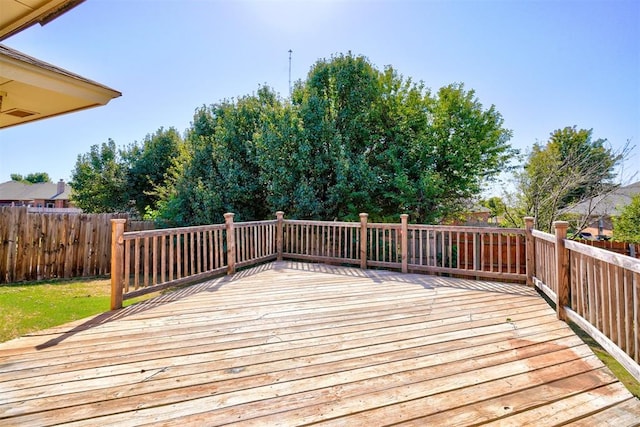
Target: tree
(466,147)
(333,177)
(99,181)
(32,178)
(148,167)
(351,139)
(569,169)
(222,173)
(382,144)
(496,204)
(626,227)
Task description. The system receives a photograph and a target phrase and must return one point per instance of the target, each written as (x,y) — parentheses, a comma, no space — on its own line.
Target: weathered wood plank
(620,415)
(289,343)
(488,401)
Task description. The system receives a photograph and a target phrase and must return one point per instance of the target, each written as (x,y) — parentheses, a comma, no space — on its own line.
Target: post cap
(560,224)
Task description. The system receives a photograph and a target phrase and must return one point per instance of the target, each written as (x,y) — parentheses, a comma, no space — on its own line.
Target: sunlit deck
(291,343)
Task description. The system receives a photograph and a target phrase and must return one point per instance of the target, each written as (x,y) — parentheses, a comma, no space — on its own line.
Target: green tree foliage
(626,227)
(333,177)
(468,147)
(33,178)
(496,204)
(351,139)
(570,168)
(149,167)
(222,171)
(132,179)
(99,180)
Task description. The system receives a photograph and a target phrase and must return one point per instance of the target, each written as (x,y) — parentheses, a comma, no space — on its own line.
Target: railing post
(231,243)
(530,250)
(404,242)
(117,261)
(279,233)
(562,269)
(363,240)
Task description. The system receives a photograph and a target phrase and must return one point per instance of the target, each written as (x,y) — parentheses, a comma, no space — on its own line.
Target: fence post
(404,242)
(530,250)
(117,261)
(231,243)
(363,240)
(279,233)
(562,268)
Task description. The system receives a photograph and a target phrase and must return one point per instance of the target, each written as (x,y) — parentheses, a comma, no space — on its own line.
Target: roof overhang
(31,89)
(20,14)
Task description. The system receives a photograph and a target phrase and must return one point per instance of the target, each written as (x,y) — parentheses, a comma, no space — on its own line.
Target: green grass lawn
(625,377)
(29,307)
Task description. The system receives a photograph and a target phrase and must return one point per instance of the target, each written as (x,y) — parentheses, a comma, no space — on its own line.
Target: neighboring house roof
(31,89)
(20,14)
(478,209)
(607,205)
(24,192)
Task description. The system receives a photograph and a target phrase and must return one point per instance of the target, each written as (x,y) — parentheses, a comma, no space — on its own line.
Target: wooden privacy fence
(597,289)
(623,248)
(35,246)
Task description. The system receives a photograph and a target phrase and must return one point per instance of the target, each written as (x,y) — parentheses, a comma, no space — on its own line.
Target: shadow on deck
(293,343)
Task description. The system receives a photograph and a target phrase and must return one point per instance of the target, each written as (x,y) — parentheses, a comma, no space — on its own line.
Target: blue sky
(543,64)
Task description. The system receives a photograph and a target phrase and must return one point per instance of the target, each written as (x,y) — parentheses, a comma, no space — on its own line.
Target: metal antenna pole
(290,51)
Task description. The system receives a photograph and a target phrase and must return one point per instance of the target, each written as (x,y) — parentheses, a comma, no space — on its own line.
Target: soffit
(31,89)
(16,15)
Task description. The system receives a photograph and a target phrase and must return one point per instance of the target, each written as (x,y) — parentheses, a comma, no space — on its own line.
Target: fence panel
(383,245)
(605,292)
(468,251)
(255,242)
(622,248)
(545,263)
(322,241)
(38,246)
(154,259)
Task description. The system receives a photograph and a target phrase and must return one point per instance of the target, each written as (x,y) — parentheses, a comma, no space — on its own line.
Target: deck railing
(497,253)
(321,241)
(596,289)
(149,261)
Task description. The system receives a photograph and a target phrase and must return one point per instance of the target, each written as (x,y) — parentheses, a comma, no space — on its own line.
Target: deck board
(294,343)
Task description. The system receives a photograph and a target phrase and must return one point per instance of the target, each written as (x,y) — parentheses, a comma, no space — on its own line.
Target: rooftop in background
(21,193)
(608,205)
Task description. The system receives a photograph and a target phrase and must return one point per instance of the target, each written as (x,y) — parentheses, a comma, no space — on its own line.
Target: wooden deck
(294,343)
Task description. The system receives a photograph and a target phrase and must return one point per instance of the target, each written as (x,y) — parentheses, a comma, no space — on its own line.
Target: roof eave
(22,71)
(41,15)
